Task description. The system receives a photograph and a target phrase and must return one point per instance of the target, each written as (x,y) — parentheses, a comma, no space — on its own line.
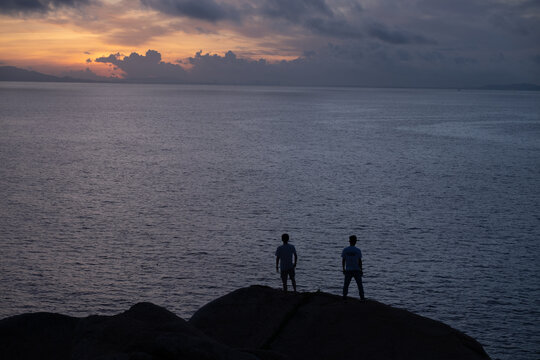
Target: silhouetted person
(352,267)
(284,258)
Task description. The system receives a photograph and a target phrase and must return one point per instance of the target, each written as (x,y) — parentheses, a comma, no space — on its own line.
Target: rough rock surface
(323,326)
(250,323)
(144,332)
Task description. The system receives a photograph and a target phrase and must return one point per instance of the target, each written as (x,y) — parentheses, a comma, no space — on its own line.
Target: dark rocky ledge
(250,323)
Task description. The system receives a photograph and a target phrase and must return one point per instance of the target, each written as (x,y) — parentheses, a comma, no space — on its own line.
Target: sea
(113,194)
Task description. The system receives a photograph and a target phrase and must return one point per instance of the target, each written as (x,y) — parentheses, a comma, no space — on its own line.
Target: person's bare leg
(293,281)
(284,284)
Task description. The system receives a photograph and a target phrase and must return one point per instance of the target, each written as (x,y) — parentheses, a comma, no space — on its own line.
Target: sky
(374,43)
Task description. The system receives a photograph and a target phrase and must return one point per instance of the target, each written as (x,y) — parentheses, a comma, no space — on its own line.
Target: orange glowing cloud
(384,42)
(65,39)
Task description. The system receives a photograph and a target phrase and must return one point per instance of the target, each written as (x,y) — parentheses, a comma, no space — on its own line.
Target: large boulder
(144,332)
(37,336)
(323,326)
(251,323)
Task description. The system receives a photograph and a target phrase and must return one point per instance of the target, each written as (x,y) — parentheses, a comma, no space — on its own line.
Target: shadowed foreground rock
(251,323)
(323,326)
(144,332)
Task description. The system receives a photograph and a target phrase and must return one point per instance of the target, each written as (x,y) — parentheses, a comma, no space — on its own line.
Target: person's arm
(295,259)
(277,263)
(360,264)
(343,264)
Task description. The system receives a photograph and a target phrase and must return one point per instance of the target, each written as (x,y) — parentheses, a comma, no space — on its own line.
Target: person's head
(352,240)
(285,238)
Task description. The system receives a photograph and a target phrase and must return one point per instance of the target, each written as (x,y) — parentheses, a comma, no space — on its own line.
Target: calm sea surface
(115,194)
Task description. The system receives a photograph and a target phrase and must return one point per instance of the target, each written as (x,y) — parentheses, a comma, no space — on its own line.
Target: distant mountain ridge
(12,73)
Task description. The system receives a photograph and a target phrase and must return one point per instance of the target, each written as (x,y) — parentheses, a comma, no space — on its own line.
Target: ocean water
(114,194)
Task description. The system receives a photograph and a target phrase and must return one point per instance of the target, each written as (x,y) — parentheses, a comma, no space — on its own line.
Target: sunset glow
(341,41)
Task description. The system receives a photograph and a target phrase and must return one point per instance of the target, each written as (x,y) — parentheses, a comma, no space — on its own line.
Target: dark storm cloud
(456,6)
(334,28)
(312,69)
(214,11)
(352,63)
(472,7)
(460,60)
(15,6)
(519,17)
(339,19)
(293,10)
(329,18)
(145,67)
(208,10)
(213,69)
(316,16)
(432,57)
(381,32)
(229,69)
(403,55)
(418,43)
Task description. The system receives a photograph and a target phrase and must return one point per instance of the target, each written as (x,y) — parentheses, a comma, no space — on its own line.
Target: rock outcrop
(250,323)
(144,332)
(323,326)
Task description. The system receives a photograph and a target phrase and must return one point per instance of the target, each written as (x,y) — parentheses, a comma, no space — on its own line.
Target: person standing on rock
(352,267)
(284,261)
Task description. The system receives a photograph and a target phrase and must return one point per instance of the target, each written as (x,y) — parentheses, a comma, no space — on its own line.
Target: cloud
(259,18)
(208,69)
(86,74)
(311,69)
(350,63)
(432,57)
(329,18)
(148,67)
(293,10)
(17,6)
(333,28)
(460,60)
(230,69)
(136,35)
(381,32)
(332,42)
(207,10)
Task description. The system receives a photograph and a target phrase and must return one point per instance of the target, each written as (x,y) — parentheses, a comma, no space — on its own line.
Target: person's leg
(284,280)
(293,281)
(358,279)
(348,276)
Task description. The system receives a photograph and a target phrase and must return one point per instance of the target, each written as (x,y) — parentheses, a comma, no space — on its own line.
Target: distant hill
(12,73)
(522,87)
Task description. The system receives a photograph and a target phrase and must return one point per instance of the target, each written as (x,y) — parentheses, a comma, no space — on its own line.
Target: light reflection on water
(115,194)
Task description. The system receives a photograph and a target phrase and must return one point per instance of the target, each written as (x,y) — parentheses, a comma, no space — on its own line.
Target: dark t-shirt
(285,254)
(351,254)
